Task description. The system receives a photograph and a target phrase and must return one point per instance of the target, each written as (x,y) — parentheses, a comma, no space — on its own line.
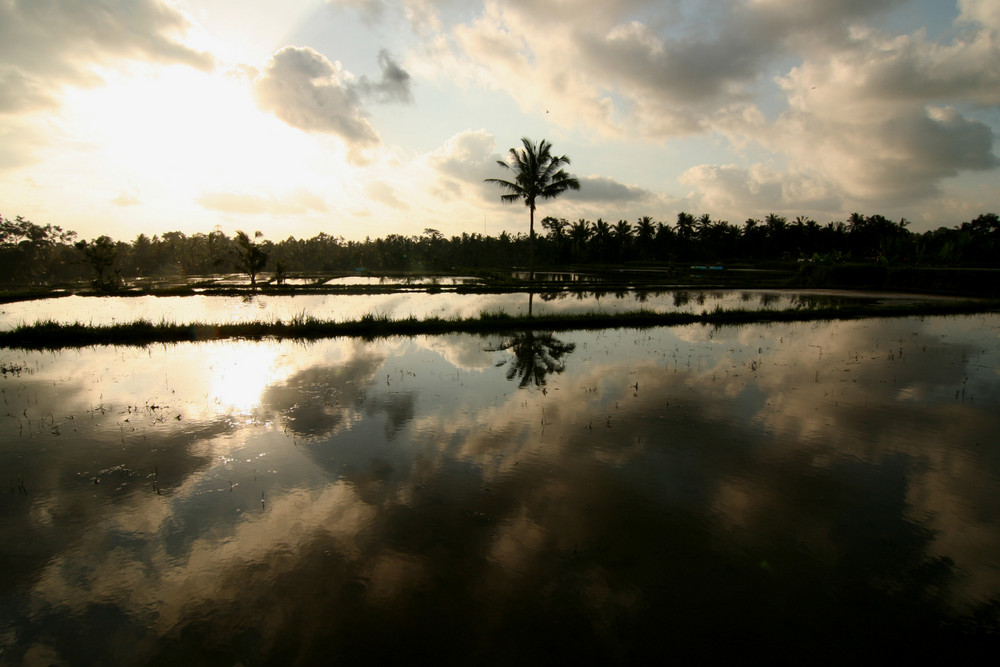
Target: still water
(804,492)
(103,310)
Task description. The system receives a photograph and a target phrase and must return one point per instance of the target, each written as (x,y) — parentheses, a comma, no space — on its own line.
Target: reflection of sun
(239,375)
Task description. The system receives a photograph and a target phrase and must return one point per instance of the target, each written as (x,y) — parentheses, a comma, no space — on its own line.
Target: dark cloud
(603,189)
(47,44)
(306,90)
(394,85)
(918,150)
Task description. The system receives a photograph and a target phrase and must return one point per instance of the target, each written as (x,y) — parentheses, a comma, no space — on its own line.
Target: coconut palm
(537,175)
(250,257)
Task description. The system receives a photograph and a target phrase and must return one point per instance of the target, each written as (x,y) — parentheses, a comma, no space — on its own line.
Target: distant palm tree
(250,257)
(645,230)
(537,174)
(579,234)
(622,232)
(580,231)
(685,225)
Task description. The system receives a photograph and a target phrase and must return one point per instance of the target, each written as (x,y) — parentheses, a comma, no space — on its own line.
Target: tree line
(33,254)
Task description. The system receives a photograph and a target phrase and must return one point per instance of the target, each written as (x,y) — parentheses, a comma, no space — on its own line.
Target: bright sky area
(373,117)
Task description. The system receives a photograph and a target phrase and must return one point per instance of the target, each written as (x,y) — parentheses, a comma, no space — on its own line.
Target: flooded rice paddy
(106,310)
(803,491)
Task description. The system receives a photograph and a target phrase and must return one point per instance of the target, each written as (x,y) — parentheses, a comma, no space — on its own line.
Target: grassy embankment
(52,335)
(967,282)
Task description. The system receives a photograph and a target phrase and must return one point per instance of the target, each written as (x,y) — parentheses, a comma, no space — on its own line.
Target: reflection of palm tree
(536,355)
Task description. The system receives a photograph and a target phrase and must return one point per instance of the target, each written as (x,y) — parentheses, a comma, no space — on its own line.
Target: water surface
(102,310)
(810,491)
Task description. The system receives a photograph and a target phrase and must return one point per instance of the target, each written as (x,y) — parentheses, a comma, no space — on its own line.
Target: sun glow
(188,124)
(240,374)
(181,137)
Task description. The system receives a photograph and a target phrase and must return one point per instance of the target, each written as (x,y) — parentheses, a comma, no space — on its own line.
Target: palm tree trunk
(531,244)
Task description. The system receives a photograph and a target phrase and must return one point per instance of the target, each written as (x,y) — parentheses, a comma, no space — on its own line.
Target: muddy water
(807,490)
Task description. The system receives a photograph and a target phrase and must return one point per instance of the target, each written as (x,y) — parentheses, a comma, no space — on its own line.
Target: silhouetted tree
(29,252)
(101,254)
(251,258)
(537,175)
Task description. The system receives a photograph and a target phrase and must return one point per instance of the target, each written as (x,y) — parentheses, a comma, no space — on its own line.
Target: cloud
(421,15)
(394,85)
(874,114)
(127,197)
(293,203)
(306,90)
(464,162)
(862,116)
(44,45)
(622,69)
(603,189)
(385,194)
(734,191)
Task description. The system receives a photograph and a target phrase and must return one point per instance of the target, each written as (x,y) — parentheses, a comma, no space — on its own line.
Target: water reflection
(534,356)
(421,304)
(813,490)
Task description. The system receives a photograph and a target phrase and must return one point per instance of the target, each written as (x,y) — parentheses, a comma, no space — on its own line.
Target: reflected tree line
(37,254)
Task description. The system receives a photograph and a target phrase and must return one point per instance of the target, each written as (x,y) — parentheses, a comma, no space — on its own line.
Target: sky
(364,118)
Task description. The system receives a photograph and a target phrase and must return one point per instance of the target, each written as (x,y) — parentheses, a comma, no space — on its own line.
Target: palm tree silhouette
(250,257)
(537,175)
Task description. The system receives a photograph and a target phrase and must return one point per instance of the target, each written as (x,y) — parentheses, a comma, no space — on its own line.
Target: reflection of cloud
(637,493)
(462,352)
(318,400)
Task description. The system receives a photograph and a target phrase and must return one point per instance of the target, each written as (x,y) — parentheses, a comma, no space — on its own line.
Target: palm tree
(645,230)
(250,257)
(537,174)
(601,238)
(579,234)
(622,232)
